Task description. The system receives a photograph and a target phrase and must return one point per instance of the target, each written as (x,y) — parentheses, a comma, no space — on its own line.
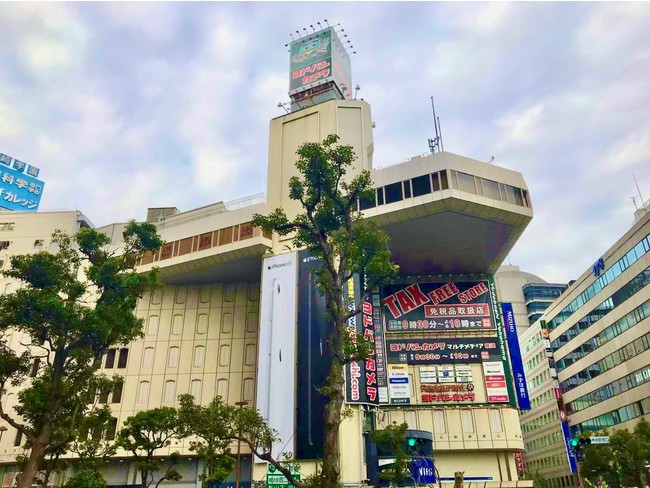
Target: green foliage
(144,433)
(90,444)
(86,478)
(621,462)
(212,428)
(394,437)
(72,306)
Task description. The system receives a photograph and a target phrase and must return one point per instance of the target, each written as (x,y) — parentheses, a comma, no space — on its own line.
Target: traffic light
(411,441)
(577,443)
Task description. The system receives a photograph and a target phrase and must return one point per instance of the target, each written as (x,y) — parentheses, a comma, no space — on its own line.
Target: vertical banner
(277,347)
(503,350)
(399,389)
(313,358)
(380,348)
(569,450)
(495,382)
(515,356)
(519,462)
(361,376)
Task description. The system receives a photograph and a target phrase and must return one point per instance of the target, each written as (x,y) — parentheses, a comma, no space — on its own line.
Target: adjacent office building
(239,316)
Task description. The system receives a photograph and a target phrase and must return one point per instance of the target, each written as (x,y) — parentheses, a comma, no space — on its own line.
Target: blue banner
(423,470)
(19,189)
(567,445)
(515,356)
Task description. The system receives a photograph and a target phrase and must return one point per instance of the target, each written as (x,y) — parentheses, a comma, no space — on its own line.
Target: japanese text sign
(442,351)
(19,188)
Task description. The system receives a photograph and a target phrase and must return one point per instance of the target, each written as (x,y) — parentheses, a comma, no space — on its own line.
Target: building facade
(238,317)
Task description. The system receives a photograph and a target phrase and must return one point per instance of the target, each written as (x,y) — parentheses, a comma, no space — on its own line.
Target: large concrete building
(237,317)
(587,357)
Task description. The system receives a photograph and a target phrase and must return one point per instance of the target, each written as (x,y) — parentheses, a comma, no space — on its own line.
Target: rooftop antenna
(356,89)
(320,27)
(312,27)
(291,34)
(434,143)
(325,20)
(299,36)
(306,32)
(638,190)
(442,146)
(491,159)
(634,201)
(282,105)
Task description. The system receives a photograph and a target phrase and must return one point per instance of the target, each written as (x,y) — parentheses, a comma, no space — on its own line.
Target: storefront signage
(442,351)
(516,360)
(519,462)
(380,353)
(361,376)
(463,392)
(437,306)
(573,466)
(495,382)
(399,389)
(19,187)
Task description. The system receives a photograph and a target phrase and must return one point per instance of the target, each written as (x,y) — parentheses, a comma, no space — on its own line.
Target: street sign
(603,439)
(277,480)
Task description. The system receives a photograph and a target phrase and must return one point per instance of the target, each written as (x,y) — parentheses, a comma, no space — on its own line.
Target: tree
(212,427)
(92,444)
(394,437)
(146,432)
(73,306)
(332,229)
(621,462)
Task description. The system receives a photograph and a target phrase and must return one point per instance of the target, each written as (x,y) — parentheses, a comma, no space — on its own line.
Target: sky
(126,106)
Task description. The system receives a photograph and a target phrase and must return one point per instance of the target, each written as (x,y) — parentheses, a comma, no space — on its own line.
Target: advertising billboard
(442,351)
(313,357)
(361,381)
(277,347)
(521,389)
(319,58)
(438,306)
(20,189)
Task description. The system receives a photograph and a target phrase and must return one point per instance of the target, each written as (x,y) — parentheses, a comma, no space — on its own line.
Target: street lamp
(240,405)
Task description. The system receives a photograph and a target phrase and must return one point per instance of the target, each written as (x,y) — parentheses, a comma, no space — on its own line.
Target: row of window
(544,441)
(541,399)
(610,361)
(635,285)
(196,386)
(95,434)
(535,360)
(536,291)
(617,416)
(538,379)
(429,183)
(540,421)
(632,256)
(173,356)
(122,358)
(617,328)
(627,382)
(532,342)
(549,462)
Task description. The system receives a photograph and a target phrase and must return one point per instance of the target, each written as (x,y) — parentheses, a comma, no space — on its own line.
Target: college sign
(438,306)
(20,189)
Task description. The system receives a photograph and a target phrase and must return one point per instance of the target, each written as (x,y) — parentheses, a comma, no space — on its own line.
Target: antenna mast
(638,190)
(437,142)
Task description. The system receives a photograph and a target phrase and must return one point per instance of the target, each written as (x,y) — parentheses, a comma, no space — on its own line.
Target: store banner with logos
(516,359)
(399,388)
(438,306)
(573,465)
(361,385)
(495,382)
(442,351)
(502,342)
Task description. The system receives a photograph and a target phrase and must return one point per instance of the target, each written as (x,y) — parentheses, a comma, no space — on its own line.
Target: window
(393,192)
(110,431)
(513,195)
(147,358)
(124,355)
(8,288)
(195,390)
(172,357)
(202,324)
(177,325)
(439,422)
(39,243)
(103,396)
(367,202)
(490,189)
(110,359)
(170,392)
(466,182)
(421,185)
(19,439)
(407,188)
(199,355)
(467,421)
(4,245)
(6,226)
(117,392)
(444,184)
(35,365)
(380,196)
(143,392)
(495,420)
(152,328)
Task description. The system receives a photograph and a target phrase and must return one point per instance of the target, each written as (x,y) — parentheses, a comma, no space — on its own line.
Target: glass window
(393,192)
(117,392)
(152,328)
(124,355)
(407,188)
(490,189)
(444,184)
(177,325)
(367,202)
(170,391)
(435,178)
(467,420)
(172,357)
(380,196)
(143,392)
(439,424)
(110,431)
(195,390)
(199,354)
(202,324)
(421,185)
(147,358)
(495,420)
(110,359)
(466,182)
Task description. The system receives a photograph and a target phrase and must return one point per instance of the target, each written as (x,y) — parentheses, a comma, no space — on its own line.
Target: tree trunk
(331,473)
(36,456)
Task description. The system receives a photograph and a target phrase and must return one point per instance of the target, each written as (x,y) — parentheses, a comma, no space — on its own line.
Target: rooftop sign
(20,188)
